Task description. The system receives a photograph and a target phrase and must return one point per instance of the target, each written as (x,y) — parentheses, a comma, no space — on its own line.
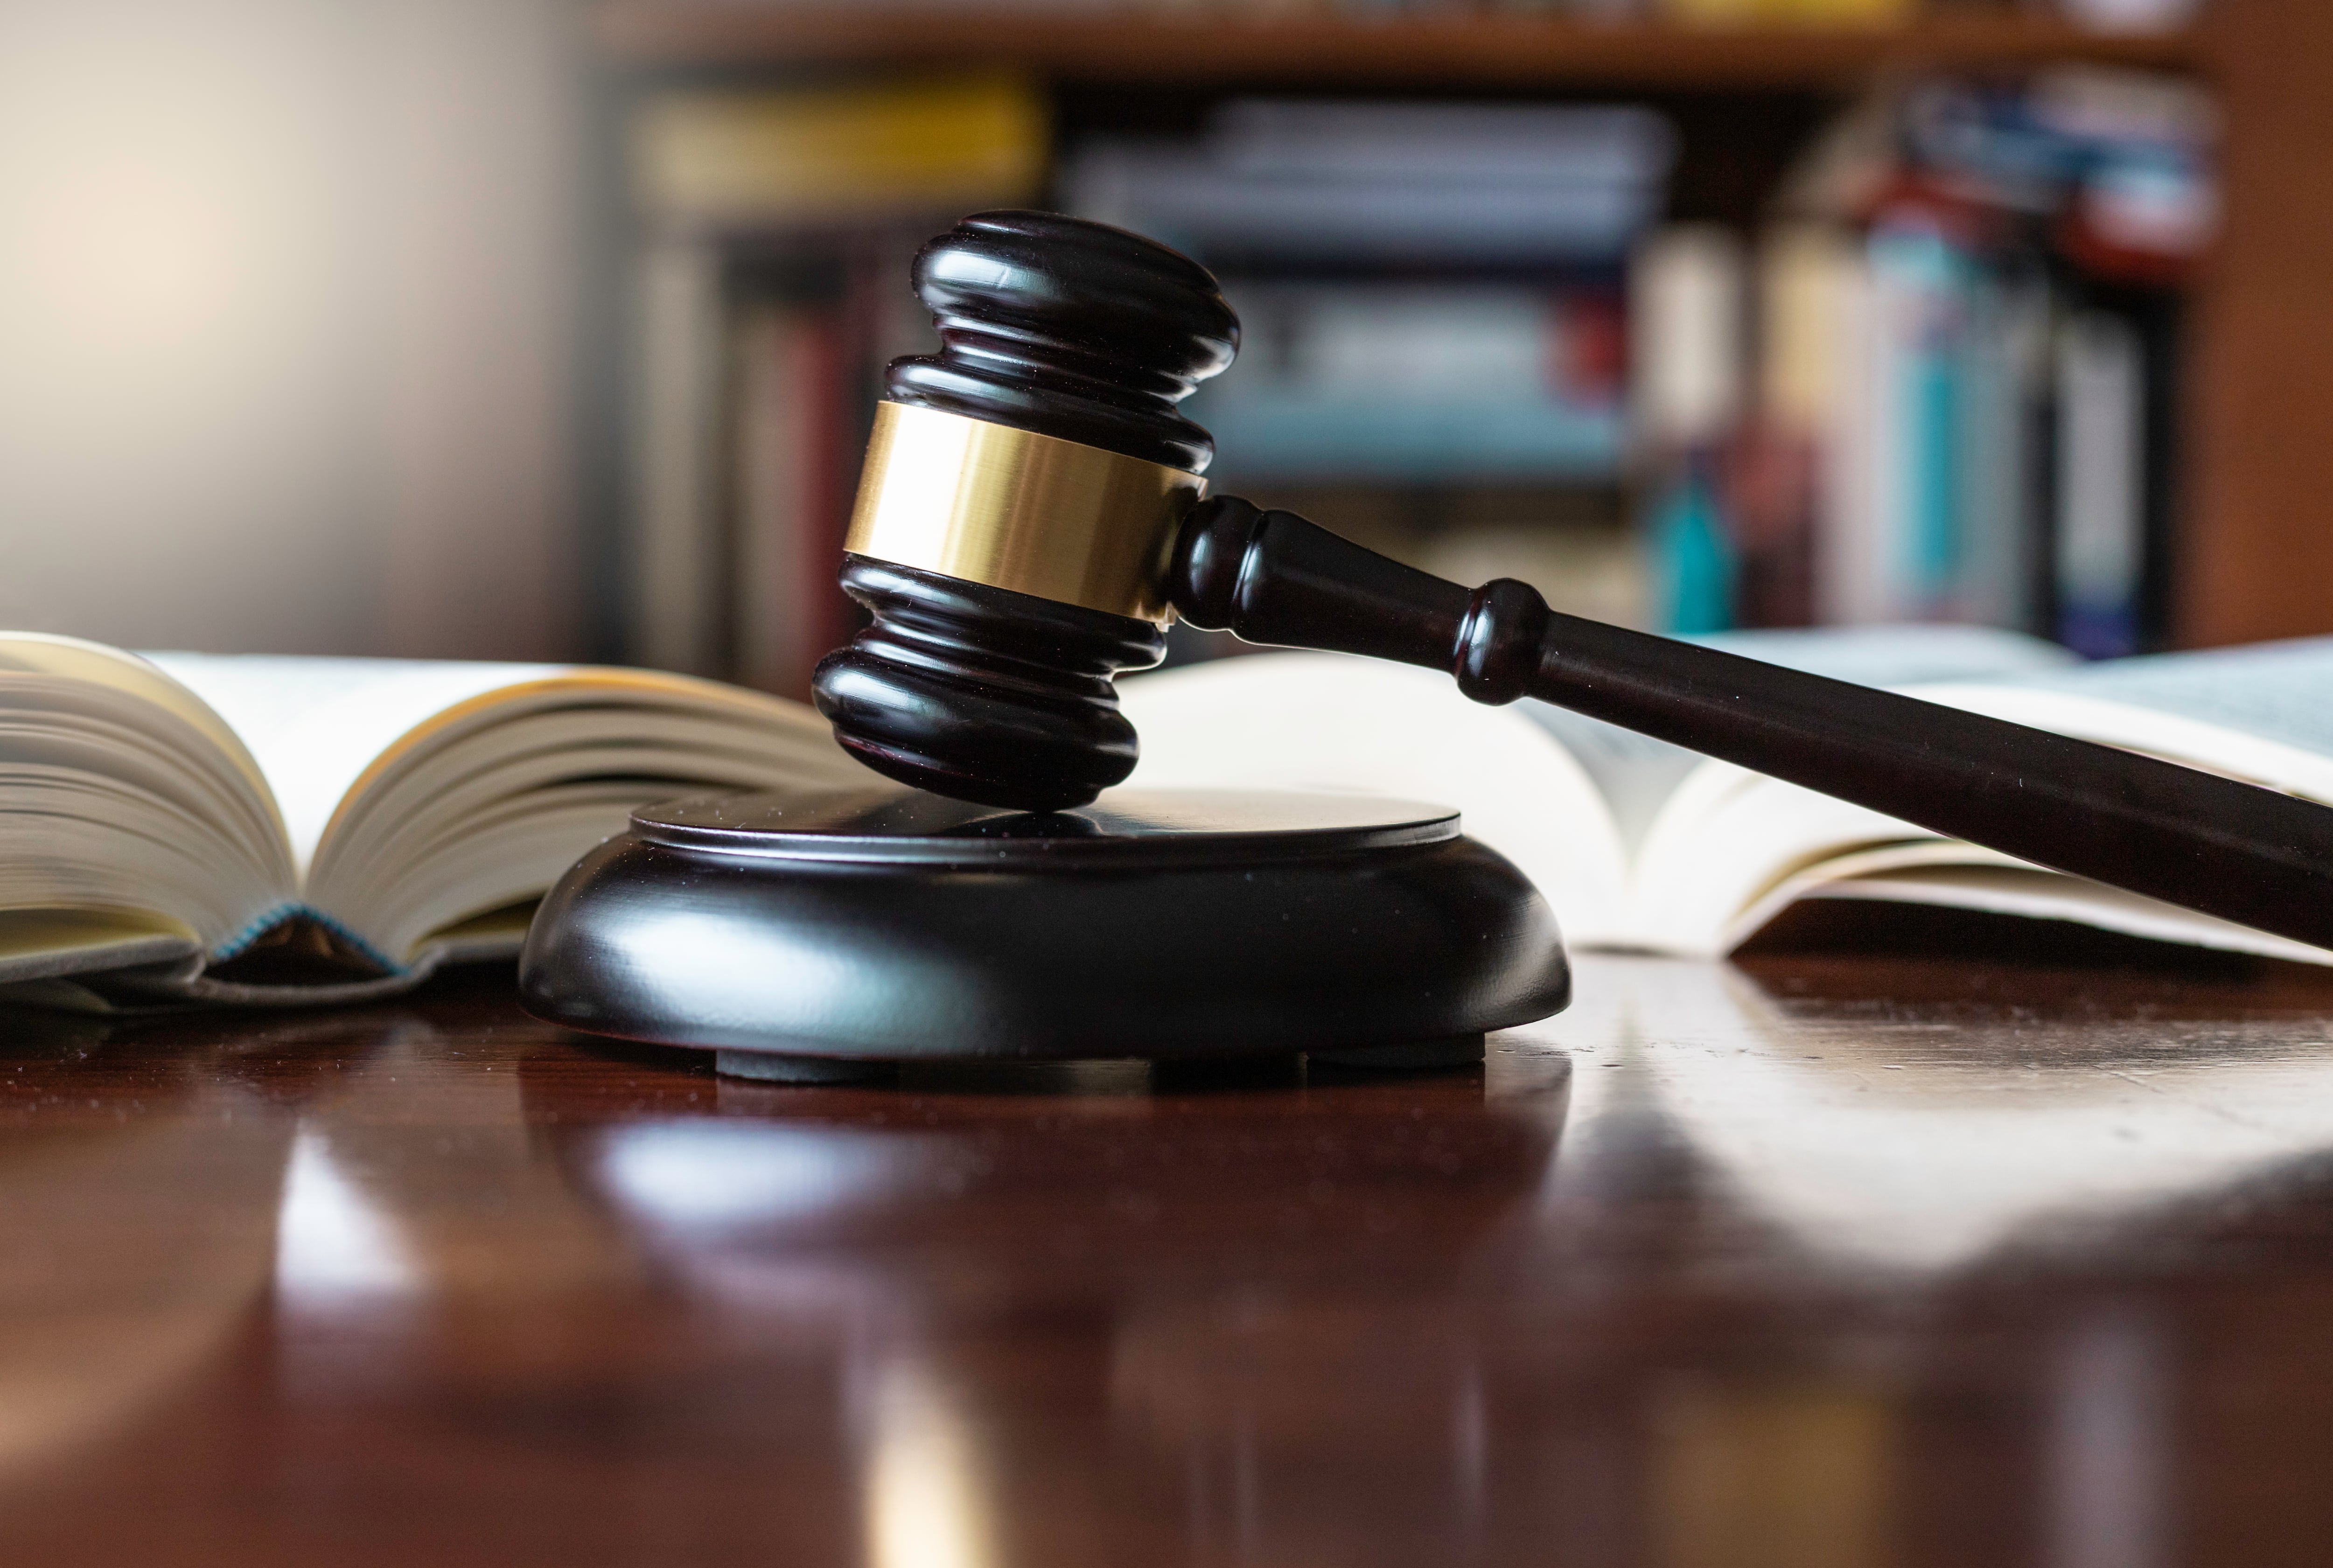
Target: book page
(1733,848)
(485,803)
(1639,775)
(126,799)
(2280,692)
(37,943)
(315,724)
(123,671)
(1960,882)
(1300,720)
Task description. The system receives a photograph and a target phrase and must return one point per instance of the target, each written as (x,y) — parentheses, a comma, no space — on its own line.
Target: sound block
(811,936)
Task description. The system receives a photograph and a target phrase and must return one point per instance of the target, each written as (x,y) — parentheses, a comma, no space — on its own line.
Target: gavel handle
(2247,855)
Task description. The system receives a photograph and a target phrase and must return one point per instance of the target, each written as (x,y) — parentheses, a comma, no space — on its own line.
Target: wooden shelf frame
(1452,48)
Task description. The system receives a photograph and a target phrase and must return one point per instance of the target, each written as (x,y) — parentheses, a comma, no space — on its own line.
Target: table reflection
(140,1202)
(1923,1139)
(1718,1268)
(1153,1236)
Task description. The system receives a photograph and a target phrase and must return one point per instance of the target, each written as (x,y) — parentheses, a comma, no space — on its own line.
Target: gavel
(1032,516)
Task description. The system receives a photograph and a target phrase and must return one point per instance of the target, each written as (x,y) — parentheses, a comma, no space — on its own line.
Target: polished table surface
(1821,1260)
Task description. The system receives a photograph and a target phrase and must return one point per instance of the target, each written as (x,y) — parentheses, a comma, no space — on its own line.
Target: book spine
(1806,281)
(2100,546)
(838,425)
(1421,382)
(676,560)
(772,495)
(1446,185)
(799,429)
(1686,291)
(1920,279)
(1850,588)
(2005,371)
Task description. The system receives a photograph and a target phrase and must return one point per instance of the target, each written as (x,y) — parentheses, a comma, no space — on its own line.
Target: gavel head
(1021,495)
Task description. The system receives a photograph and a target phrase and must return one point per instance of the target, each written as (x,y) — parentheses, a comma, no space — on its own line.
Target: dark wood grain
(2257,552)
(1451,48)
(1829,1260)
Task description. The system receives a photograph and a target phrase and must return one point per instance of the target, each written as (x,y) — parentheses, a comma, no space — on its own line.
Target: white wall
(285,308)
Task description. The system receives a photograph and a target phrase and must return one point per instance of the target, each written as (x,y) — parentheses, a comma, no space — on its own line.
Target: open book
(253,830)
(191,827)
(1644,846)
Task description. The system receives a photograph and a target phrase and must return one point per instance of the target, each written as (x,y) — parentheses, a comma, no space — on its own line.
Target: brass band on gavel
(1015,510)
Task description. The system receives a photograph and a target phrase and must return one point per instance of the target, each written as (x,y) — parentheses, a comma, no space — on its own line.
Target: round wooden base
(807,937)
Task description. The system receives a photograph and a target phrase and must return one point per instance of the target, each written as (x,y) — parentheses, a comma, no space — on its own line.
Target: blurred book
(1431,299)
(2102,480)
(752,158)
(1687,351)
(1349,184)
(788,492)
(1643,846)
(1923,280)
(1932,435)
(1420,382)
(1583,570)
(770,285)
(1802,316)
(675,544)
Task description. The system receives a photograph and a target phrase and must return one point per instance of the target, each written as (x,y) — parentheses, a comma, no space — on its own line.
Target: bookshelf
(2254,557)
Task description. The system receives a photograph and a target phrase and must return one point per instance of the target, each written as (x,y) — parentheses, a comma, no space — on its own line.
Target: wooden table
(1818,1261)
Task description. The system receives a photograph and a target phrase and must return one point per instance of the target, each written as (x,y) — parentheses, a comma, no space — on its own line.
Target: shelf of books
(1697,328)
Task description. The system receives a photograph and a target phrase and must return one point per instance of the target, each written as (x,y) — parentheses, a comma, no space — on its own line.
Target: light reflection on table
(1714,1269)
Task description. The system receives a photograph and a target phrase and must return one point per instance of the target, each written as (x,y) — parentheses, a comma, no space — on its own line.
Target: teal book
(1693,556)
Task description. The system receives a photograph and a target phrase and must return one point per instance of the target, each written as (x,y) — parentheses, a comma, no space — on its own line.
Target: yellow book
(835,154)
(1859,12)
(1806,276)
(1717,13)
